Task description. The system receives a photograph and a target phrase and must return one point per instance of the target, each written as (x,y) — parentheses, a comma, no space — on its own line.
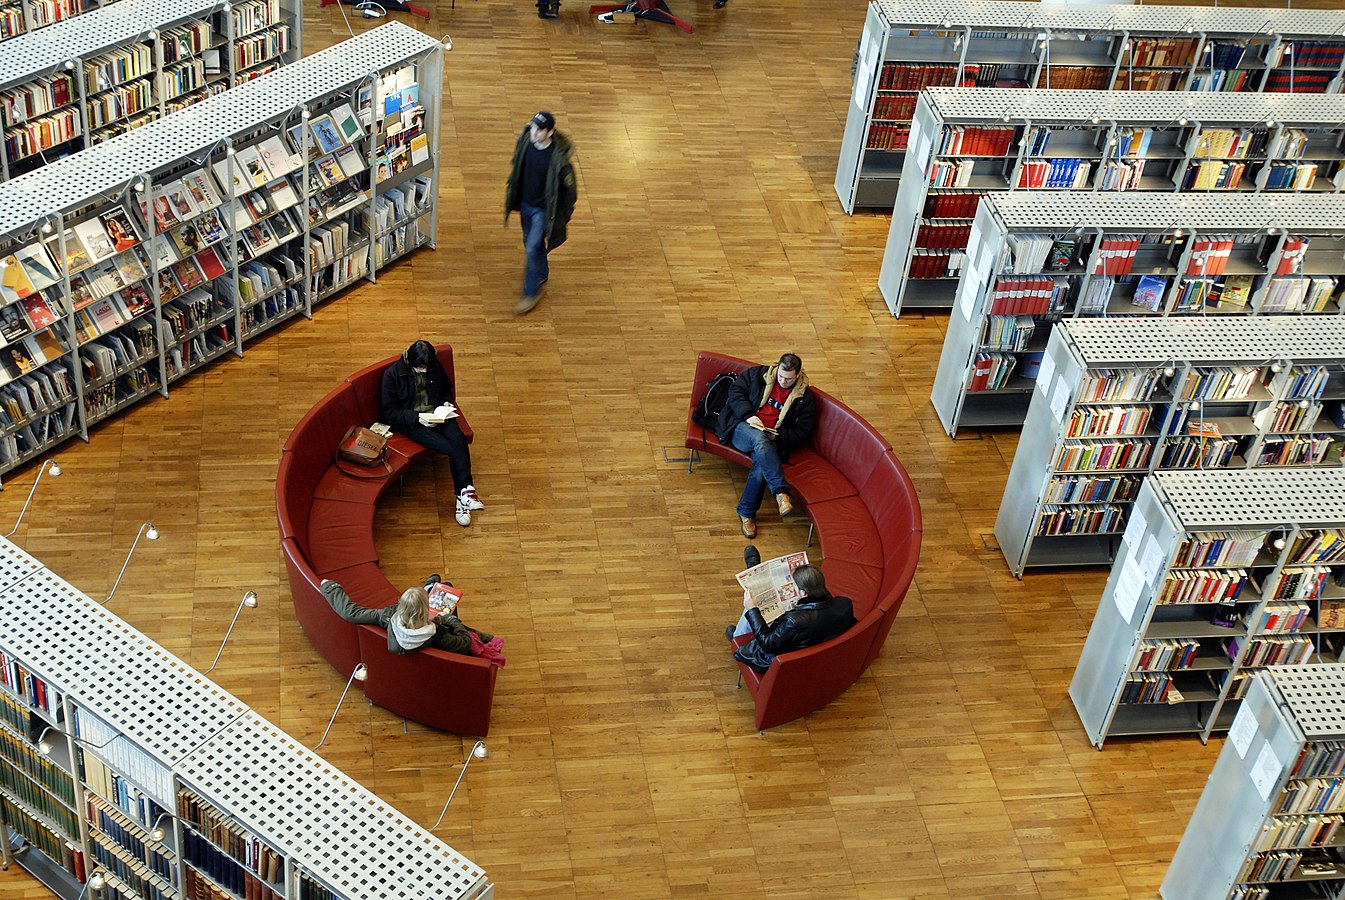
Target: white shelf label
(1126,592)
(1243,729)
(1265,771)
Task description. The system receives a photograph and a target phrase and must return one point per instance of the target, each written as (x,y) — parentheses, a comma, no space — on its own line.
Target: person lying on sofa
(818,617)
(409,621)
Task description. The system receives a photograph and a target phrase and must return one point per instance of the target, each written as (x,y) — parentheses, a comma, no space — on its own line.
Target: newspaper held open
(771,584)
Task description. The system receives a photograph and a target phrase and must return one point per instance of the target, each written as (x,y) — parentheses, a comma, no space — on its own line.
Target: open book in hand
(771,431)
(442,413)
(444,598)
(771,584)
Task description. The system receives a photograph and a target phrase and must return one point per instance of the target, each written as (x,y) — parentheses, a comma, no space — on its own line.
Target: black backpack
(707,410)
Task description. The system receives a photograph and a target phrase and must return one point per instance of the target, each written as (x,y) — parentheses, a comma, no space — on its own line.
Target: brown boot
(786,505)
(749,527)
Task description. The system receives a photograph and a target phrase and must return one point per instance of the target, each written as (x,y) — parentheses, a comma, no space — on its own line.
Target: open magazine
(771,584)
(444,598)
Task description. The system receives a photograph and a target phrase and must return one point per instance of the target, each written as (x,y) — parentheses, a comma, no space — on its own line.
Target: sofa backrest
(333,636)
(805,680)
(845,440)
(708,365)
(368,384)
(451,691)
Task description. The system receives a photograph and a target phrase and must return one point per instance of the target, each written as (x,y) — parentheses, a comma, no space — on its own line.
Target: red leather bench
(866,517)
(327,531)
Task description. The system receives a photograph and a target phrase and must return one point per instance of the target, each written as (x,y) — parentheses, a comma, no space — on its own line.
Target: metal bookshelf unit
(23,16)
(87,79)
(1117,399)
(1218,576)
(1266,824)
(990,329)
(976,43)
(174,744)
(968,141)
(230,217)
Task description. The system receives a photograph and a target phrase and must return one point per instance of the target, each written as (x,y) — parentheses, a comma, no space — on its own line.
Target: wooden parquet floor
(624,763)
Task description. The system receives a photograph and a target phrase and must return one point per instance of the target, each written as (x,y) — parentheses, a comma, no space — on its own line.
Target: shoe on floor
(786,505)
(719,4)
(467,496)
(463,514)
(749,527)
(548,14)
(526,305)
(728,632)
(751,556)
(432,580)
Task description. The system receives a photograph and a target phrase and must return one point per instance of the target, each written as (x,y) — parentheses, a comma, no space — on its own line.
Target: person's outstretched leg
(346,608)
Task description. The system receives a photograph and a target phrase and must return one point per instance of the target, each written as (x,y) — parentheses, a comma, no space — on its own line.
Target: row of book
(113,787)
(26,686)
(1149,80)
(1220,383)
(1283,833)
(884,136)
(990,371)
(20,753)
(936,263)
(199,887)
(976,140)
(119,103)
(1319,54)
(1270,651)
(1156,51)
(254,15)
(186,40)
(36,135)
(1105,385)
(1120,176)
(1279,618)
(1115,254)
(1219,548)
(1072,520)
(38,833)
(936,234)
(1312,795)
(1076,78)
(1314,450)
(1202,586)
(1108,421)
(1164,655)
(1228,143)
(139,880)
(222,831)
(1286,865)
(951,206)
(1088,456)
(1222,80)
(204,856)
(1325,546)
(1091,489)
(37,97)
(1149,688)
(1028,295)
(132,838)
(1058,172)
(893,108)
(947,173)
(1198,453)
(1212,175)
(259,48)
(1287,176)
(28,439)
(1007,333)
(107,70)
(1319,759)
(914,77)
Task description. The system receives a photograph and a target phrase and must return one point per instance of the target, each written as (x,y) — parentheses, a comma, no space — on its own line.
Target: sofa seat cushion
(340,534)
(846,531)
(854,580)
(366,584)
(815,479)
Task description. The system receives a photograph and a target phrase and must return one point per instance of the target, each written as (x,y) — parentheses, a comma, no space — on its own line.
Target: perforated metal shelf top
(1255,498)
(1150,211)
(991,15)
(991,105)
(15,563)
(82,649)
(1315,696)
(353,841)
(109,166)
(1133,341)
(95,31)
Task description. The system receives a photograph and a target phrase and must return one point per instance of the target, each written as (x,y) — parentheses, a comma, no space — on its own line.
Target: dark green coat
(561,190)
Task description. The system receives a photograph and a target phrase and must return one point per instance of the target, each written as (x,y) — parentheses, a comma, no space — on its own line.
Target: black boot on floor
(751,556)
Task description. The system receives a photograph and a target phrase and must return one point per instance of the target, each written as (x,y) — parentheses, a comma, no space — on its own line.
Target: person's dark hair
(791,363)
(419,354)
(810,581)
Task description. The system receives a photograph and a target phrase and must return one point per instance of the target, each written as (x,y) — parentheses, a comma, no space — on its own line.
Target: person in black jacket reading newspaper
(416,392)
(818,617)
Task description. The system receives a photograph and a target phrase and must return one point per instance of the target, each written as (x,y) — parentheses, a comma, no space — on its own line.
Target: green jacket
(561,189)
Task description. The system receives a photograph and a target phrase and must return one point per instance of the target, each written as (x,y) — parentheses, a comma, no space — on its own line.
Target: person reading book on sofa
(817,617)
(769,412)
(417,399)
(410,622)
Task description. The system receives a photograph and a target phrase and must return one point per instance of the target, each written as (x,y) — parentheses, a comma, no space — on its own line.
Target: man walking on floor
(542,188)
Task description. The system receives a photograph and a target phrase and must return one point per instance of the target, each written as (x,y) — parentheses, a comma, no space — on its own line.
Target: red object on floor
(389,5)
(644,9)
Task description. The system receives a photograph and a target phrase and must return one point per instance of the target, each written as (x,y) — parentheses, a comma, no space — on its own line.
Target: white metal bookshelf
(87,79)
(969,141)
(172,734)
(19,17)
(1167,263)
(976,43)
(1217,577)
(1119,398)
(1266,824)
(350,186)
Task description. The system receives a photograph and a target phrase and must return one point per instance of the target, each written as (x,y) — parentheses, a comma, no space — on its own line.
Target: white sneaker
(463,513)
(468,498)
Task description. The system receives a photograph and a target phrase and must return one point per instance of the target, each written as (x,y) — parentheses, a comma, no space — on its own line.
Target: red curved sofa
(866,517)
(327,531)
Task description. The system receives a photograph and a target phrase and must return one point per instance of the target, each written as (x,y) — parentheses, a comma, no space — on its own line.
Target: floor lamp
(361,672)
(250,601)
(150,532)
(55,468)
(478,751)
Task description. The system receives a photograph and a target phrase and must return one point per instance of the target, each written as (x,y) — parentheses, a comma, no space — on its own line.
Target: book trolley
(139,260)
(967,141)
(88,79)
(1267,825)
(22,16)
(1220,573)
(1119,398)
(907,46)
(169,786)
(1039,258)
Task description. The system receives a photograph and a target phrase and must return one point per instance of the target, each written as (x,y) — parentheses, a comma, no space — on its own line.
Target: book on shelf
(120,231)
(14,325)
(325,133)
(1237,290)
(255,172)
(38,266)
(1204,429)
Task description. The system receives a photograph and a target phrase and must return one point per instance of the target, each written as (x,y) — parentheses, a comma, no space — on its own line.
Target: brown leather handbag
(363,447)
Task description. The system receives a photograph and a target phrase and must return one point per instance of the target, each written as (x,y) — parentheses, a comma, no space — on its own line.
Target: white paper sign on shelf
(967,289)
(1152,557)
(1059,399)
(1265,771)
(1126,593)
(1135,527)
(1045,372)
(1243,729)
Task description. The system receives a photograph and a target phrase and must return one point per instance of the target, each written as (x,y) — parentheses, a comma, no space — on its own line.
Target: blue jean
(534,245)
(767,470)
